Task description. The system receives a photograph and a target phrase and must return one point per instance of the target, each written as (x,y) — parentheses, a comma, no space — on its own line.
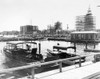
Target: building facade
(84,36)
(80,23)
(28,30)
(85,22)
(89,21)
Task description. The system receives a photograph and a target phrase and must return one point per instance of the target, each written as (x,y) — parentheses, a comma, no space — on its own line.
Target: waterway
(10,63)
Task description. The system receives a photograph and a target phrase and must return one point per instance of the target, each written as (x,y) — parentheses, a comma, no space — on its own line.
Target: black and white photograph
(49,39)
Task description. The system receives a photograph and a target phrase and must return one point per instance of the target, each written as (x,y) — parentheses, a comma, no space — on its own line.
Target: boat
(24,51)
(27,52)
(57,53)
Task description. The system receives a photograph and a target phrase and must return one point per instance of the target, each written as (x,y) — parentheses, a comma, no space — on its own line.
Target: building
(80,23)
(85,22)
(85,29)
(84,36)
(28,30)
(35,28)
(89,21)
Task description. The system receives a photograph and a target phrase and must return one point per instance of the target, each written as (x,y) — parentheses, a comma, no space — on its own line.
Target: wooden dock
(75,71)
(87,71)
(92,50)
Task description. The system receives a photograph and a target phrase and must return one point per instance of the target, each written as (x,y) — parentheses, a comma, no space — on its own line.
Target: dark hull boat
(27,52)
(61,55)
(19,52)
(22,52)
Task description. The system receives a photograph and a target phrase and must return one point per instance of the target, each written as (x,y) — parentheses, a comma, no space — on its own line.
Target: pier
(61,71)
(87,71)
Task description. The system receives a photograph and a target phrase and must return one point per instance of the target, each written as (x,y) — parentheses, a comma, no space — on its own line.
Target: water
(10,63)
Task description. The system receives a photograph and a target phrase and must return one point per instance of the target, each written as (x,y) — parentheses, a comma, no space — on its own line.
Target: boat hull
(21,56)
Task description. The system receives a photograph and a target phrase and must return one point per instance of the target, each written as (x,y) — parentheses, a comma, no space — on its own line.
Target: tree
(57,26)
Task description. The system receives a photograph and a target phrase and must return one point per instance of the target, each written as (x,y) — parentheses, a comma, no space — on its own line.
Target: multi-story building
(85,29)
(85,22)
(89,21)
(28,30)
(80,23)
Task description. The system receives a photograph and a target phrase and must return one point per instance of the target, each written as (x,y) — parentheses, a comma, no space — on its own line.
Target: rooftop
(75,32)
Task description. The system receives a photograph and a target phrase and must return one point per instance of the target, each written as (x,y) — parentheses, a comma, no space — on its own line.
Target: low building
(84,36)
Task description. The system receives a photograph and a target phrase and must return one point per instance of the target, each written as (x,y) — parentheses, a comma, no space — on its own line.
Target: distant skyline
(16,13)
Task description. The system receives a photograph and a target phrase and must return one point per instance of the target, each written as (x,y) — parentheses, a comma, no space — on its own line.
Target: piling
(75,47)
(33,73)
(80,62)
(39,48)
(74,44)
(86,46)
(60,66)
(94,45)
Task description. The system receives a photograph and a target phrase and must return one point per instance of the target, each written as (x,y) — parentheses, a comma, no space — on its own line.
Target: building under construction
(85,22)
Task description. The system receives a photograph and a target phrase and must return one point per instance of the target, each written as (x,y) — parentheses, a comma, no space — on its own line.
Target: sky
(16,13)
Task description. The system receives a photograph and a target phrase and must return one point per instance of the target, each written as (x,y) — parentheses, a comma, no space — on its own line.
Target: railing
(33,66)
(93,76)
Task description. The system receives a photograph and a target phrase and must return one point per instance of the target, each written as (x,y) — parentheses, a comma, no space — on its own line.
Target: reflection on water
(9,63)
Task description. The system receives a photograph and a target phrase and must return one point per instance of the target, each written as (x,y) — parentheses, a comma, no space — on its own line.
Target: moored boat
(27,51)
(58,53)
(24,51)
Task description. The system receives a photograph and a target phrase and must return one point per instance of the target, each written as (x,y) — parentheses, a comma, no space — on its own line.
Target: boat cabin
(25,51)
(21,45)
(84,36)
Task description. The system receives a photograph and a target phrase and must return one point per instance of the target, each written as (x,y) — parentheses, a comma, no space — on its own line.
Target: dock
(87,71)
(92,50)
(75,71)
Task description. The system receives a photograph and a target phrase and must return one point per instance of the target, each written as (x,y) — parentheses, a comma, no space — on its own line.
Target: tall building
(80,23)
(85,22)
(28,29)
(89,21)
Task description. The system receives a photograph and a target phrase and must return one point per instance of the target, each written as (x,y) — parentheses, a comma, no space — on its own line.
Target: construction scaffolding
(85,22)
(80,23)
